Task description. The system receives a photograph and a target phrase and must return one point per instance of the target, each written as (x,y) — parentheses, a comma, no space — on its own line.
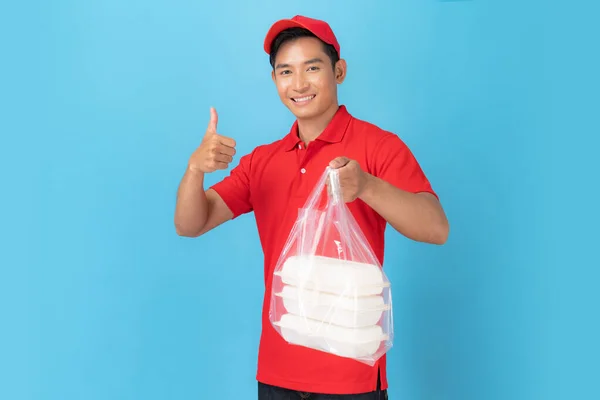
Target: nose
(300,83)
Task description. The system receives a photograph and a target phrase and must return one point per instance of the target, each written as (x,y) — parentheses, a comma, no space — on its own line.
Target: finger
(220,165)
(228,151)
(227,141)
(223,158)
(214,119)
(339,162)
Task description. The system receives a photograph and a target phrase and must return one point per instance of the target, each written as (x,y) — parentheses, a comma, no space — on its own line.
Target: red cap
(320,29)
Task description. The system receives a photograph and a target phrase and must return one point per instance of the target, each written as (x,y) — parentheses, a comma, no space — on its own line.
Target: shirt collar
(333,133)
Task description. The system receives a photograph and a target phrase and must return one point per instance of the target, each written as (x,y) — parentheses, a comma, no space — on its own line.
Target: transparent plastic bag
(329,291)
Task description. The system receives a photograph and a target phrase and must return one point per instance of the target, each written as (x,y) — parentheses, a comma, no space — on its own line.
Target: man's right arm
(198,211)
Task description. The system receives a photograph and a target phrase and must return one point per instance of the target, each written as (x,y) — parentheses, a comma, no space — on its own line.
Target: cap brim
(277,28)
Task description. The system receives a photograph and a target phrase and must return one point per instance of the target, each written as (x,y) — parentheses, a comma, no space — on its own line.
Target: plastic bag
(329,292)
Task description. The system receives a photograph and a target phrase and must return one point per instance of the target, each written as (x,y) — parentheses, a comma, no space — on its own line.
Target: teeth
(297,99)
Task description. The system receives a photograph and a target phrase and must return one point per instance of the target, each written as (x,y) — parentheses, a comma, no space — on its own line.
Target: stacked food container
(334,305)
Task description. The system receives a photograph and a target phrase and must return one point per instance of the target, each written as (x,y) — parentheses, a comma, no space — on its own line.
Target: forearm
(417,216)
(191,212)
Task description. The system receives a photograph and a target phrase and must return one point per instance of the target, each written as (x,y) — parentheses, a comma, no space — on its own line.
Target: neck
(310,129)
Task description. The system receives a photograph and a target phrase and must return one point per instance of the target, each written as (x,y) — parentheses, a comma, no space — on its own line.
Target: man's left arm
(418,216)
(414,211)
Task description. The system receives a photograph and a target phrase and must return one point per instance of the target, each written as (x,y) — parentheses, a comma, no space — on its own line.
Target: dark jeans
(268,392)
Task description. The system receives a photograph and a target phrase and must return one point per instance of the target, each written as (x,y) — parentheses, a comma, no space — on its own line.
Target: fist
(215,152)
(351,176)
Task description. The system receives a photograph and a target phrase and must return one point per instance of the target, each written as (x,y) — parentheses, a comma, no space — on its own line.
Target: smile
(304,99)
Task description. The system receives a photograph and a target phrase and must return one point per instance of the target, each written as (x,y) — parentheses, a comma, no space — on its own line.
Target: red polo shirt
(274,181)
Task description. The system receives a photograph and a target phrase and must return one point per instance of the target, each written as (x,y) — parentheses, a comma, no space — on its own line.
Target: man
(381,182)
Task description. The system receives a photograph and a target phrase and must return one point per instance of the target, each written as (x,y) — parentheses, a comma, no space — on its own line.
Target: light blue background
(102,102)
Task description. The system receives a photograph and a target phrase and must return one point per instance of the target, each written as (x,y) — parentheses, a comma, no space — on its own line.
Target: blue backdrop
(102,102)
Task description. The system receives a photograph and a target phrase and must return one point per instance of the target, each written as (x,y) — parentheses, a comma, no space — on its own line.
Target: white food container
(332,275)
(350,312)
(345,342)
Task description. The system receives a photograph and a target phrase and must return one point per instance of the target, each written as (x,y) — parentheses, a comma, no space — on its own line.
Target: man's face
(305,79)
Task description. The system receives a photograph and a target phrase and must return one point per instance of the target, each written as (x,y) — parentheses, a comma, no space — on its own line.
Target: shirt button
(303,170)
(299,146)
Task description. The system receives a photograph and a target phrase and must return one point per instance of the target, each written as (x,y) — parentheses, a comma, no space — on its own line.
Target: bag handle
(334,192)
(334,197)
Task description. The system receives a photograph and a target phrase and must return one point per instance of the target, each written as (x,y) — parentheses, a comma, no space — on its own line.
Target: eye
(313,68)
(285,72)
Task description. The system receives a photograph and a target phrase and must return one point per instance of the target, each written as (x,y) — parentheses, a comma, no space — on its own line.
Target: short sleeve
(234,189)
(394,163)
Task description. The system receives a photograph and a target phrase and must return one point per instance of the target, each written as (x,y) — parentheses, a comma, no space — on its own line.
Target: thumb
(214,118)
(339,162)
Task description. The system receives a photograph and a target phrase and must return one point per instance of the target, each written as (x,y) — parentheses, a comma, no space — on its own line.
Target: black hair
(295,33)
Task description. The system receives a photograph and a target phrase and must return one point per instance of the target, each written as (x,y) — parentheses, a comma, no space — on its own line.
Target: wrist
(369,188)
(195,172)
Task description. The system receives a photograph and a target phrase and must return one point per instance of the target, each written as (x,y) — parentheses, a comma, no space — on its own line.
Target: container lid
(310,327)
(312,298)
(332,274)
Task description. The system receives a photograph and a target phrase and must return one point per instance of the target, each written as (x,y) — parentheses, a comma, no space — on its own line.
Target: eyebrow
(311,61)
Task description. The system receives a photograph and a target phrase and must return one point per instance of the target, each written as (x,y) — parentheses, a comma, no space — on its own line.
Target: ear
(273,75)
(340,71)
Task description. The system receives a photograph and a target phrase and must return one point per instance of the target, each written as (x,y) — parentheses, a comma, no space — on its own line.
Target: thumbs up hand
(215,152)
